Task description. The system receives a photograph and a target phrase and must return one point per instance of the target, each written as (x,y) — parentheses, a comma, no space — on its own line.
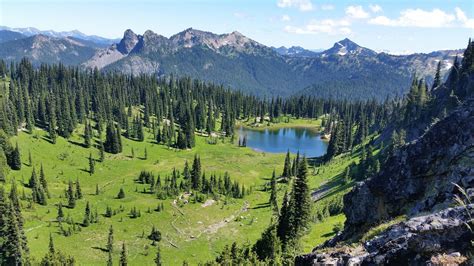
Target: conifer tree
(43,181)
(196,173)
(87,135)
(273,194)
(268,247)
(301,201)
(101,151)
(123,256)
(437,78)
(60,215)
(284,221)
(110,240)
(87,216)
(121,194)
(158,261)
(110,260)
(78,194)
(71,198)
(16,160)
(91,164)
(287,167)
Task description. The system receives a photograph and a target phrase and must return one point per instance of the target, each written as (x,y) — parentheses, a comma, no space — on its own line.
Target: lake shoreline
(303,139)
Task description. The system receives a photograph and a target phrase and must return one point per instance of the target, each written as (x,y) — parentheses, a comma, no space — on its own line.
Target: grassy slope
(283,123)
(188,232)
(193,233)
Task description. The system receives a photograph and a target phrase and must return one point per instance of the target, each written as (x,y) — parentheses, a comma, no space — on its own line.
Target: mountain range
(346,70)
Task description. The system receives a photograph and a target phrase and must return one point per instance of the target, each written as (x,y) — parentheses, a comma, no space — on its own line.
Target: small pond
(280,140)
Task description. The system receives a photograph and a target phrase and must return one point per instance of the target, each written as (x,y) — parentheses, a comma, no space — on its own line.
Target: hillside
(43,49)
(417,209)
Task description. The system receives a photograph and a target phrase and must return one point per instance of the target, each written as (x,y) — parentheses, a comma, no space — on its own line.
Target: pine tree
(123,256)
(268,247)
(155,234)
(78,194)
(87,135)
(158,261)
(52,131)
(87,216)
(112,139)
(283,227)
(121,194)
(110,240)
(60,215)
(91,164)
(437,78)
(43,181)
(287,167)
(101,151)
(110,260)
(16,160)
(71,198)
(300,201)
(196,173)
(14,247)
(273,194)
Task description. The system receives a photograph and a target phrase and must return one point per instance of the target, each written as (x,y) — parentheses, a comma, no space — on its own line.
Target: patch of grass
(374,231)
(321,232)
(283,122)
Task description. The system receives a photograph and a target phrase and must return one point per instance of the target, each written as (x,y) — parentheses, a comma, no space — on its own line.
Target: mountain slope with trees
(427,175)
(346,70)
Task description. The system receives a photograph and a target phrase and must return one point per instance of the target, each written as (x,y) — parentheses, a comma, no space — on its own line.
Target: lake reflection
(280,140)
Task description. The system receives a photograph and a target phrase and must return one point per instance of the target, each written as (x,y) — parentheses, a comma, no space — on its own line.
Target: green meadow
(191,231)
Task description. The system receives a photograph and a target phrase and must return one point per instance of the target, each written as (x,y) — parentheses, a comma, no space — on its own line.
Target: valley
(267,133)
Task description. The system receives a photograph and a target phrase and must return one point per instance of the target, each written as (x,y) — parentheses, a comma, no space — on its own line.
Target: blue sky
(396,26)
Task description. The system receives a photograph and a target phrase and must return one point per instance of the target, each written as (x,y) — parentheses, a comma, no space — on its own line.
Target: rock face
(418,241)
(128,42)
(419,177)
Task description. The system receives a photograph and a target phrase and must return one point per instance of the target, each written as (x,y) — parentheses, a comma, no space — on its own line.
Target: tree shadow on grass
(77,143)
(261,205)
(101,249)
(329,234)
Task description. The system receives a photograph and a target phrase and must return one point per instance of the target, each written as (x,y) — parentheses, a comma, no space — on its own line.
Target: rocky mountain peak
(128,42)
(348,47)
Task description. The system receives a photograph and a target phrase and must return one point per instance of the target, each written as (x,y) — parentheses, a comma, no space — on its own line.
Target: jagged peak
(128,42)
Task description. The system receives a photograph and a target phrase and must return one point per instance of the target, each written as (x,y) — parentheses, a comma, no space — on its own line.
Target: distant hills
(345,70)
(30,31)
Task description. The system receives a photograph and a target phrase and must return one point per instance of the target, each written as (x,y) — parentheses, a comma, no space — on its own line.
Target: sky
(397,26)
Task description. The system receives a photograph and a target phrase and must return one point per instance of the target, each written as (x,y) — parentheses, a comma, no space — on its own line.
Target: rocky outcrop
(419,177)
(424,240)
(128,42)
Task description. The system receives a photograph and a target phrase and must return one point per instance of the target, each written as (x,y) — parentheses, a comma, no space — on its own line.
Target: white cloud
(285,18)
(461,17)
(327,7)
(327,26)
(435,18)
(303,5)
(356,12)
(375,8)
